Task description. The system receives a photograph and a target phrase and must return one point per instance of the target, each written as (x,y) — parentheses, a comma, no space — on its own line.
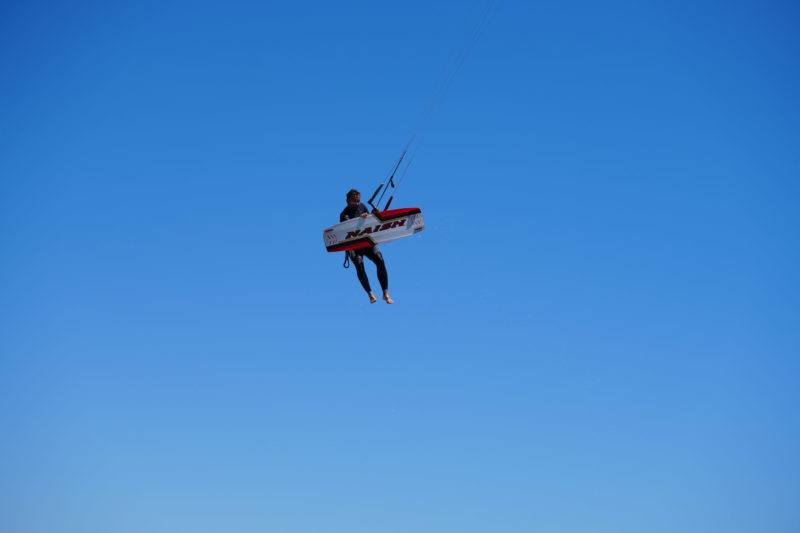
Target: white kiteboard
(376,228)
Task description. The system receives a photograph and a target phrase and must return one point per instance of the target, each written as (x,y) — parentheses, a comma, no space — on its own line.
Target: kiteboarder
(356,209)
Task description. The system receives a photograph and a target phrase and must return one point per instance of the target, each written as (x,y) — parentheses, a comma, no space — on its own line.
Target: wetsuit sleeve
(349,212)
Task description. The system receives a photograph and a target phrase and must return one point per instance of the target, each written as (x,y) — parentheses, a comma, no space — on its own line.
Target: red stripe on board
(396,213)
(366,242)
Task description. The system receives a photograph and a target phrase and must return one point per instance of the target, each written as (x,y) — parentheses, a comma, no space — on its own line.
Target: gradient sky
(596,332)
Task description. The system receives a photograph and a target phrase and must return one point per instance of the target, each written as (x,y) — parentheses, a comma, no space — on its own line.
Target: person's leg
(376,257)
(358,260)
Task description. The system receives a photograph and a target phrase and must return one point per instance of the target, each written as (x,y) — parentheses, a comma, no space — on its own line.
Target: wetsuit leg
(358,260)
(376,257)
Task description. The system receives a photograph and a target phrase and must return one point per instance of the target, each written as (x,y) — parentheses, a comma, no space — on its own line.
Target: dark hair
(351,193)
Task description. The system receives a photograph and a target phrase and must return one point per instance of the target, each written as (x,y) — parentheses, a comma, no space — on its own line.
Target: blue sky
(596,332)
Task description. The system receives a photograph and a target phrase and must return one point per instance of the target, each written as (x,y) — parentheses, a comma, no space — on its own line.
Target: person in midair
(356,209)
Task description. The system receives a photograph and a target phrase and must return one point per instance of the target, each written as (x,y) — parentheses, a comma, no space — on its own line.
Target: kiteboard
(375,228)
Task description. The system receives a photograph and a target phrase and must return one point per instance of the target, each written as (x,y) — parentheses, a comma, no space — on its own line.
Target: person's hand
(363,215)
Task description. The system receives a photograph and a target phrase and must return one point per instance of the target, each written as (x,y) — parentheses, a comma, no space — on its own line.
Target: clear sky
(596,332)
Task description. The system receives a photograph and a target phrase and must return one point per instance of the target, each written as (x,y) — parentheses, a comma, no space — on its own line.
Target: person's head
(353,197)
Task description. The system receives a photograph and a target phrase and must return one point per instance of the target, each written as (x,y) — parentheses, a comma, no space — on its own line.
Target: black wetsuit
(357,256)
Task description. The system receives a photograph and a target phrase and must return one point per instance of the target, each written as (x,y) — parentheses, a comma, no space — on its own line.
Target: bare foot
(387,297)
(372,298)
